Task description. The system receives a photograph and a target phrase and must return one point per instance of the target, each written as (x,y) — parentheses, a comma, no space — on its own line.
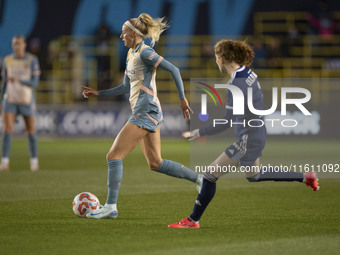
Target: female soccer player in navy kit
(20,74)
(234,58)
(145,122)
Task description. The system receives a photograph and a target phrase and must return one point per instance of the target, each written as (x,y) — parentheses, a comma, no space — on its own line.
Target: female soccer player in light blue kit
(234,58)
(20,74)
(145,122)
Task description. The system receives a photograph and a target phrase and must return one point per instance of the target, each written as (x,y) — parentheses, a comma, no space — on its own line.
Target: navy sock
(114,178)
(178,170)
(203,199)
(278,175)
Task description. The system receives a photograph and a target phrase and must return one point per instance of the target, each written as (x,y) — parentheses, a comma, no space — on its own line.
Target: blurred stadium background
(77,43)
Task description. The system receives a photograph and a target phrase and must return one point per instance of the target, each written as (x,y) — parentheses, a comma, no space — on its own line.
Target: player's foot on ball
(104,212)
(184,223)
(199,183)
(312,180)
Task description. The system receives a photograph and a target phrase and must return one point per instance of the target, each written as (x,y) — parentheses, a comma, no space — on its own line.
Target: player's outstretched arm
(89,92)
(150,57)
(176,76)
(119,90)
(210,129)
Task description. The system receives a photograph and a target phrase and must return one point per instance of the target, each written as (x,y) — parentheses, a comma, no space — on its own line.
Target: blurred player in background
(20,74)
(234,58)
(144,125)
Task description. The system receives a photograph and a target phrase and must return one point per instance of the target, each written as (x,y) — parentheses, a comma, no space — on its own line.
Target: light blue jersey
(140,81)
(141,67)
(18,97)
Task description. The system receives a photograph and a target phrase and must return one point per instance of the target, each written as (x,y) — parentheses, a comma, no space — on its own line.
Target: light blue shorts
(19,109)
(147,120)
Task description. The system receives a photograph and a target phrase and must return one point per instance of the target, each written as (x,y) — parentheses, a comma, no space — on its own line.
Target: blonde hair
(150,28)
(235,51)
(20,37)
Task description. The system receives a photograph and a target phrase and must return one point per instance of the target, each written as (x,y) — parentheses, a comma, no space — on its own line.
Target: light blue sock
(33,145)
(175,169)
(6,145)
(114,178)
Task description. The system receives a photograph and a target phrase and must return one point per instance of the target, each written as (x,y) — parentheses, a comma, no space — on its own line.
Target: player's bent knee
(111,156)
(154,165)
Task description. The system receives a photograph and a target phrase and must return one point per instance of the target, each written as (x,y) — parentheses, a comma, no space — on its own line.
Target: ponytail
(150,28)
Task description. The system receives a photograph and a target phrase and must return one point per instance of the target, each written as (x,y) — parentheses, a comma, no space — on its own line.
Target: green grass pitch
(244,218)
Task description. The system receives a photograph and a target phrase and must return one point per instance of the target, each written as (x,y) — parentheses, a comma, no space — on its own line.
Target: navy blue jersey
(243,78)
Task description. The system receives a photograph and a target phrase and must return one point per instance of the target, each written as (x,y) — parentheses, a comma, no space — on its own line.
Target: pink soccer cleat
(184,223)
(312,180)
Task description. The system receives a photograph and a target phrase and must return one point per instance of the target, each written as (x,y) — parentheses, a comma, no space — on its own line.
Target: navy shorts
(147,120)
(248,148)
(19,109)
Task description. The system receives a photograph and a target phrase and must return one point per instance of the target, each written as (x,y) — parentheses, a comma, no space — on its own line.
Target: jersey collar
(14,57)
(138,46)
(240,69)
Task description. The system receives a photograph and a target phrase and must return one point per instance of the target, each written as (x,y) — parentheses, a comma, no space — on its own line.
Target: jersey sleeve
(3,79)
(123,88)
(150,57)
(35,69)
(228,115)
(3,69)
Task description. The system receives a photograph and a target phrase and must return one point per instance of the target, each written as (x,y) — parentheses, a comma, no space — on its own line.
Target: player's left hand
(186,110)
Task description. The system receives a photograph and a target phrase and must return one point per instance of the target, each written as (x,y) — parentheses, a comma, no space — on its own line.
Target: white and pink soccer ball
(84,203)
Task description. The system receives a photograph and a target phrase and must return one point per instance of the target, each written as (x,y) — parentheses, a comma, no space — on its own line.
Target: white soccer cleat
(199,183)
(34,164)
(4,166)
(104,212)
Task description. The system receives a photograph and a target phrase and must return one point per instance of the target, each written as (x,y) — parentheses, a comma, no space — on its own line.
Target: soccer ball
(84,203)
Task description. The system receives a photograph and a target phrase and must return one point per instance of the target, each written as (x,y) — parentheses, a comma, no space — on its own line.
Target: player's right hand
(89,92)
(191,135)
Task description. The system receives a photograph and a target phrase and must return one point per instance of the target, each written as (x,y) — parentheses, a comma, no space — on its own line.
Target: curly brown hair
(235,51)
